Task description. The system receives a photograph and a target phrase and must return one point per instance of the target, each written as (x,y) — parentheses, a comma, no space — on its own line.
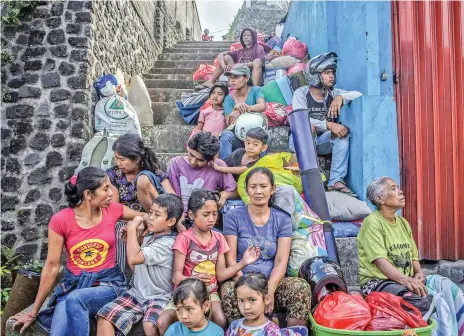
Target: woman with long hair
(92,278)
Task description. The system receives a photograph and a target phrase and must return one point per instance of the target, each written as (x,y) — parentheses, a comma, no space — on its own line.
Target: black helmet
(317,65)
(322,272)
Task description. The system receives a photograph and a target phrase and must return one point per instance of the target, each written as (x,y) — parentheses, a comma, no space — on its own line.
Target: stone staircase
(172,75)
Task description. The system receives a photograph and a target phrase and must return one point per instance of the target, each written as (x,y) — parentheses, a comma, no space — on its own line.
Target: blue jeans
(72,314)
(229,142)
(340,149)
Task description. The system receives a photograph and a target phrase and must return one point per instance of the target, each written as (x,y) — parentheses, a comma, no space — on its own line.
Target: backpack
(98,152)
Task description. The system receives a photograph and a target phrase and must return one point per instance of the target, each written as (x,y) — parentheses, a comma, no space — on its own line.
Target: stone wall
(45,119)
(55,55)
(258,14)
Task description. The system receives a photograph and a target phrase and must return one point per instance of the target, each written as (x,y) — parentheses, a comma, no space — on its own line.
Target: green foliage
(11,258)
(35,265)
(5,295)
(13,9)
(6,58)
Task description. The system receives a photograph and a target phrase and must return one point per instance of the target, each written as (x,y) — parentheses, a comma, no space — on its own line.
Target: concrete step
(163,158)
(166,95)
(205,45)
(182,64)
(170,83)
(348,255)
(166,114)
(185,56)
(173,71)
(191,51)
(173,138)
(168,76)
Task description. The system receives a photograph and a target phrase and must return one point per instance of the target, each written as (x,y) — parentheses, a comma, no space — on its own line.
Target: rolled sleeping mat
(313,187)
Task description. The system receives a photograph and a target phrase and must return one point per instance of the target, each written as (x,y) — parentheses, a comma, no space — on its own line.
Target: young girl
(212,118)
(191,301)
(199,251)
(252,296)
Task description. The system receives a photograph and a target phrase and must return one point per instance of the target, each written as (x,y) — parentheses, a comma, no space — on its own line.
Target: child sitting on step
(243,158)
(252,295)
(192,304)
(212,118)
(152,265)
(199,251)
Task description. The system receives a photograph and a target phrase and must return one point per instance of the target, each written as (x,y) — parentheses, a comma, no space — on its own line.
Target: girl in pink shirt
(212,118)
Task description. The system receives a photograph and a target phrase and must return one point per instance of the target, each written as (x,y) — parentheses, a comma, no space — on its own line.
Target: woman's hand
(135,223)
(24,320)
(414,285)
(230,119)
(242,107)
(420,276)
(334,109)
(269,309)
(251,255)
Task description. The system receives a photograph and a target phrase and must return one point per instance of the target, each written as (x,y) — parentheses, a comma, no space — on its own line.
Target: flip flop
(340,190)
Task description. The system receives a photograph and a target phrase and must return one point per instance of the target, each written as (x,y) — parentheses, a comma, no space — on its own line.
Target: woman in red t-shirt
(86,229)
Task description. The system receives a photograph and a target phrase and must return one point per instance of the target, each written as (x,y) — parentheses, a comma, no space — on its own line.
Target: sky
(216,15)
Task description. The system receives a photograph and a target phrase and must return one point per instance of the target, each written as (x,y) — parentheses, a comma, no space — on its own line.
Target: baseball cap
(239,69)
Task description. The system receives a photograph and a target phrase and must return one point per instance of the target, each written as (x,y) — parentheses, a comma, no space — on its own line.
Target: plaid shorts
(126,310)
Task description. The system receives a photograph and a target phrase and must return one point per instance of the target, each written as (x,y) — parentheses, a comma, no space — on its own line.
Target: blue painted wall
(360,33)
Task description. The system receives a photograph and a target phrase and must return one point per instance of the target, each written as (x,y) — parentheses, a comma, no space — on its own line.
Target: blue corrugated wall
(360,33)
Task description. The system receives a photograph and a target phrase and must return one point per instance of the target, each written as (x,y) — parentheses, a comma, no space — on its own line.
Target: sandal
(344,190)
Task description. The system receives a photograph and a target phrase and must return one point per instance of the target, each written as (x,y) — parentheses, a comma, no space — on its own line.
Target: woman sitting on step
(389,261)
(252,55)
(92,278)
(135,181)
(269,229)
(245,98)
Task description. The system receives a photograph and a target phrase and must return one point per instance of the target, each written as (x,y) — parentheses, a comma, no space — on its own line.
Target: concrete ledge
(348,254)
(187,55)
(166,95)
(173,138)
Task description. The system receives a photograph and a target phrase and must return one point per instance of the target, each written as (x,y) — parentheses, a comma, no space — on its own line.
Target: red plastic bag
(235,46)
(295,68)
(343,311)
(204,72)
(295,48)
(388,313)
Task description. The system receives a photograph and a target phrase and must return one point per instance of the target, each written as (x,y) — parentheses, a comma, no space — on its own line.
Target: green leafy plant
(5,295)
(11,258)
(35,265)
(6,58)
(12,10)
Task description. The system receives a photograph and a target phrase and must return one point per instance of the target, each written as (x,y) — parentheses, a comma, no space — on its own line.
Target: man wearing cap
(245,98)
(252,55)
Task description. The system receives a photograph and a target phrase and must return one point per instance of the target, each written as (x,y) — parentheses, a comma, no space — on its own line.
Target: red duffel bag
(343,311)
(389,313)
(295,48)
(204,72)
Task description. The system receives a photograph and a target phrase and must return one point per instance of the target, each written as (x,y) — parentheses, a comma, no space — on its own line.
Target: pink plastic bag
(295,48)
(235,46)
(296,68)
(204,72)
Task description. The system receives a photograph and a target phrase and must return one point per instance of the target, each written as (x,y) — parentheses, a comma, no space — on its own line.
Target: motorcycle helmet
(247,121)
(319,64)
(322,273)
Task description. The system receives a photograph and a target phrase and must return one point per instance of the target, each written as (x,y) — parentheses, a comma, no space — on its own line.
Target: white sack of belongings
(112,112)
(139,98)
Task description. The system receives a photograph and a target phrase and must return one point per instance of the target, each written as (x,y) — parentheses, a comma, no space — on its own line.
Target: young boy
(243,158)
(152,265)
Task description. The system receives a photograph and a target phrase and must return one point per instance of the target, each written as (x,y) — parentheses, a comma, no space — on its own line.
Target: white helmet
(247,121)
